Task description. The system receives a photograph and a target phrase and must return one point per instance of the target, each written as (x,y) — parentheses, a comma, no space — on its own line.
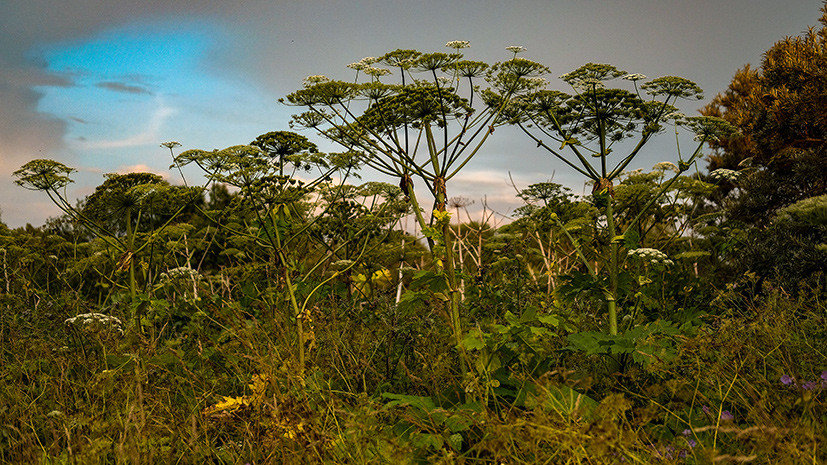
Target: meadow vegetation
(280,313)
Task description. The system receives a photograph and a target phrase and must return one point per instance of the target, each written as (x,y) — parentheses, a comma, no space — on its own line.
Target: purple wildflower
(705,408)
(687,432)
(692,442)
(683,454)
(824,378)
(809,385)
(786,380)
(726,416)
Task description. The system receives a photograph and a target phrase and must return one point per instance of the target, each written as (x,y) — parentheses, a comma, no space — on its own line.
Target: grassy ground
(215,381)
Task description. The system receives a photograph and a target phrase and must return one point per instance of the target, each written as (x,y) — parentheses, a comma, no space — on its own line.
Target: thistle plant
(427,126)
(583,129)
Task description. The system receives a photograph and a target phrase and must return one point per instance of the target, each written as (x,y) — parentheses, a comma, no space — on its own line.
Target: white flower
(315,79)
(369,60)
(653,256)
(182,272)
(634,77)
(458,44)
(723,174)
(444,81)
(665,166)
(516,49)
(358,66)
(342,264)
(586,84)
(536,82)
(93,322)
(376,72)
(676,115)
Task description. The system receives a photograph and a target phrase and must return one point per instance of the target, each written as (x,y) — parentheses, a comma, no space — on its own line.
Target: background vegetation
(280,314)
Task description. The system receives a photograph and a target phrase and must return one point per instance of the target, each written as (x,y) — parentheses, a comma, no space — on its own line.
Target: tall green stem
(288,282)
(130,250)
(453,284)
(611,297)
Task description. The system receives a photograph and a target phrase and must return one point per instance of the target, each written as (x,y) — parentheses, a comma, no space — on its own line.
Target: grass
(222,386)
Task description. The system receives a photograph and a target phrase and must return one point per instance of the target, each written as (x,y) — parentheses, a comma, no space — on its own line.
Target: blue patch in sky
(134,87)
(152,51)
(127,85)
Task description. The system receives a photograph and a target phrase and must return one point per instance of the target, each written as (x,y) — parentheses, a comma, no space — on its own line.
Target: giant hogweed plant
(425,126)
(117,210)
(267,172)
(584,129)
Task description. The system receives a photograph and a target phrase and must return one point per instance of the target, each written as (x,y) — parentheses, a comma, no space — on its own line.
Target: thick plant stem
(296,312)
(453,283)
(611,297)
(285,271)
(130,237)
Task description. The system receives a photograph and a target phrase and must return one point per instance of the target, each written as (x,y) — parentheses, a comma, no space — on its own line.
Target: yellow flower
(442,217)
(229,403)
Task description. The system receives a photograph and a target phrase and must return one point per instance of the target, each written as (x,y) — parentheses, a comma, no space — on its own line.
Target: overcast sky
(99,84)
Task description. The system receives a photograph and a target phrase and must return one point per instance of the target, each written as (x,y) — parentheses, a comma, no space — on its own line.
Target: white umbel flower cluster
(458,44)
(665,166)
(723,174)
(634,77)
(96,322)
(653,256)
(180,273)
(315,79)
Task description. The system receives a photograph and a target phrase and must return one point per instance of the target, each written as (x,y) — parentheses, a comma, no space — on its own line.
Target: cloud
(24,135)
(123,87)
(149,135)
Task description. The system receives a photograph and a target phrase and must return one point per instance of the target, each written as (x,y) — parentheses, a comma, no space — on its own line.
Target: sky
(98,85)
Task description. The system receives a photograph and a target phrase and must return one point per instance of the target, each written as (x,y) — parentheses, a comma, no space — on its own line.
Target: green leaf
(457,423)
(529,314)
(472,342)
(399,400)
(563,400)
(631,239)
(551,320)
(455,441)
(425,440)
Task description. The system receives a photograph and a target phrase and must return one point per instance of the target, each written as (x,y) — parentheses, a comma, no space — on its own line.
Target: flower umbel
(458,44)
(516,49)
(95,322)
(315,79)
(634,77)
(653,256)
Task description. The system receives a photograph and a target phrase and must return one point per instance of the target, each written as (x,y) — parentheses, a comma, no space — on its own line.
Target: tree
(777,162)
(781,112)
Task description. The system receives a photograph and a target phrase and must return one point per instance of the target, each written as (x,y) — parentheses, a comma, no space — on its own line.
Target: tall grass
(747,387)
